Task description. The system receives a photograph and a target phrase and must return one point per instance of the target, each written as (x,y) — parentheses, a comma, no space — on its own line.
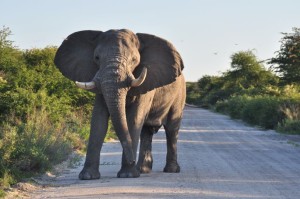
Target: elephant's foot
(89,174)
(128,172)
(145,167)
(145,162)
(172,168)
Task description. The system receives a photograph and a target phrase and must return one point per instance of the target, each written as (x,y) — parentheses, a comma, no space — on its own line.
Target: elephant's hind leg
(145,160)
(172,165)
(172,128)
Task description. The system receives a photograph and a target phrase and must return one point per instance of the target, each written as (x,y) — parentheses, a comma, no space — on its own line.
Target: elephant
(138,83)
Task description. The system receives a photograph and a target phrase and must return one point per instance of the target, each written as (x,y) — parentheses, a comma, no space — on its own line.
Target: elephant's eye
(97,58)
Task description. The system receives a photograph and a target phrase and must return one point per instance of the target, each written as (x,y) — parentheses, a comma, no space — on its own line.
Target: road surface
(219,158)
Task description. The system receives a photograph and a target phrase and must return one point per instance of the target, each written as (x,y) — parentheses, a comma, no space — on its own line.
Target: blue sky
(205,32)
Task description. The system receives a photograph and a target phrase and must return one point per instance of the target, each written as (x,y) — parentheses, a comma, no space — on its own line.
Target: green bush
(290,127)
(237,105)
(263,111)
(267,111)
(192,92)
(222,106)
(193,98)
(234,106)
(43,116)
(33,146)
(290,108)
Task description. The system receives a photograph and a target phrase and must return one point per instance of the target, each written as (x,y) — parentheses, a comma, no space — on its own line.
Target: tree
(247,76)
(10,62)
(208,83)
(287,60)
(247,72)
(9,54)
(4,34)
(211,90)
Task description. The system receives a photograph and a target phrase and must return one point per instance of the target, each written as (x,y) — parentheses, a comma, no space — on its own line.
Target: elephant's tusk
(86,85)
(137,82)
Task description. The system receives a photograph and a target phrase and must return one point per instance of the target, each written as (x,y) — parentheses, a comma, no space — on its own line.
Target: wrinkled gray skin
(112,60)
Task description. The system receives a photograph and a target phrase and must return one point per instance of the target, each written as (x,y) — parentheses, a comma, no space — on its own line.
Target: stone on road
(219,158)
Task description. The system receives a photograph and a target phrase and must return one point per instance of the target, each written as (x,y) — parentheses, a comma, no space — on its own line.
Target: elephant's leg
(135,114)
(172,128)
(99,124)
(130,171)
(172,165)
(145,160)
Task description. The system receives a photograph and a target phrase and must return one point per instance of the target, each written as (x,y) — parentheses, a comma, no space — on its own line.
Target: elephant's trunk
(115,98)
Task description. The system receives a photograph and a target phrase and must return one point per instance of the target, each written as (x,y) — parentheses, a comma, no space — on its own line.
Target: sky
(205,32)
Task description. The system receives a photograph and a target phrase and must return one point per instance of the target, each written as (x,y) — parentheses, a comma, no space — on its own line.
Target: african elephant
(107,63)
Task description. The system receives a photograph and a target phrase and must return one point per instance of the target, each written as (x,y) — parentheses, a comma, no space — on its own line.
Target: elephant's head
(108,62)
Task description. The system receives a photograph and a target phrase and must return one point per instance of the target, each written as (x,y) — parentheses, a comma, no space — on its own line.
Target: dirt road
(219,158)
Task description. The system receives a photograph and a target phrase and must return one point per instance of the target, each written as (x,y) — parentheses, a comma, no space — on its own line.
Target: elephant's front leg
(99,124)
(135,114)
(130,171)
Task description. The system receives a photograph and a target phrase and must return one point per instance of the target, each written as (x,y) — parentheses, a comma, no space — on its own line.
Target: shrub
(262,111)
(290,127)
(290,108)
(234,106)
(33,146)
(237,105)
(193,98)
(222,107)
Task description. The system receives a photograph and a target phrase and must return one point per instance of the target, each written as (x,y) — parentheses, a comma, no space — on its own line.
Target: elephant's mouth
(135,82)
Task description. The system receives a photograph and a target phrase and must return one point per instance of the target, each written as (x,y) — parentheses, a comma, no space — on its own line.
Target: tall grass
(27,148)
(291,109)
(31,147)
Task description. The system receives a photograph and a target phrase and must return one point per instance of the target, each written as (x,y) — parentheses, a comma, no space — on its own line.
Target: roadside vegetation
(43,116)
(268,97)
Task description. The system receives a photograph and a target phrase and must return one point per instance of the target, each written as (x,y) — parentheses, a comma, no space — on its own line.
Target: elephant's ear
(74,57)
(162,60)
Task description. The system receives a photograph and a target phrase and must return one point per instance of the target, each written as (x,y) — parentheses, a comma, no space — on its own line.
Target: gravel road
(219,158)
